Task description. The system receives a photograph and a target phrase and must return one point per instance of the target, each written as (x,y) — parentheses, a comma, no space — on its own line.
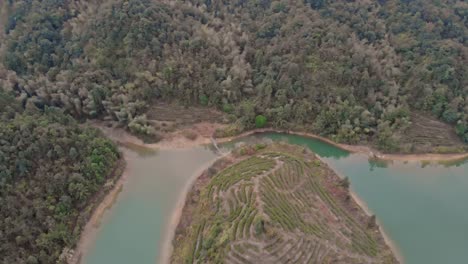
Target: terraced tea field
(427,134)
(278,204)
(165,117)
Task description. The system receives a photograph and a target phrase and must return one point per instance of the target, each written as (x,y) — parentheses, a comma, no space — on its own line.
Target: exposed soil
(221,161)
(372,153)
(183,127)
(189,127)
(204,131)
(178,139)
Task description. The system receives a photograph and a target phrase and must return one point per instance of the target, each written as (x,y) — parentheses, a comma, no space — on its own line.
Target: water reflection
(322,148)
(378,163)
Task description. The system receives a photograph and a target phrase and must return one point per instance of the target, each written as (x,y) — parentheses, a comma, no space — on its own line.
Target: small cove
(422,208)
(134,229)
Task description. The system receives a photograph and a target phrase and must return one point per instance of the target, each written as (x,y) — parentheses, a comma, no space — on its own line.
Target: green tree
(260,121)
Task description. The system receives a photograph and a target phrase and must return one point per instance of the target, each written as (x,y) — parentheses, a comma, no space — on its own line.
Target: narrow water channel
(134,229)
(423,208)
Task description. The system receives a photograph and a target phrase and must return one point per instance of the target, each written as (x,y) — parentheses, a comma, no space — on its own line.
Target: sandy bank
(363,205)
(177,140)
(387,239)
(200,180)
(173,140)
(204,131)
(89,232)
(167,249)
(360,148)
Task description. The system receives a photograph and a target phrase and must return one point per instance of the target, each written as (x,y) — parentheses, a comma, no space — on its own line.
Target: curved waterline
(410,200)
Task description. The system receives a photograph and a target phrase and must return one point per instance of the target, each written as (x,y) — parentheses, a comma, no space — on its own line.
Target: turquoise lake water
(422,208)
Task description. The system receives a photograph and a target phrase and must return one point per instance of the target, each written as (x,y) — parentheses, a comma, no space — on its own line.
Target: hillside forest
(359,72)
(353,71)
(51,170)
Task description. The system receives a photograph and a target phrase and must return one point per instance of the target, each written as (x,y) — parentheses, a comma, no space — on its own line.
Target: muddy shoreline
(370,152)
(88,233)
(178,141)
(178,211)
(363,205)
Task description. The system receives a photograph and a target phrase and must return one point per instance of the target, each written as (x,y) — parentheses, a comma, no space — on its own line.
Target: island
(275,203)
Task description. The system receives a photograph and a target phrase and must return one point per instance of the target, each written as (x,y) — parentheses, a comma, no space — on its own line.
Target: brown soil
(372,153)
(205,130)
(171,140)
(363,205)
(203,122)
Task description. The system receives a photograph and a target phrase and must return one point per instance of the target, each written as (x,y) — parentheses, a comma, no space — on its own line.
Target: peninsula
(275,203)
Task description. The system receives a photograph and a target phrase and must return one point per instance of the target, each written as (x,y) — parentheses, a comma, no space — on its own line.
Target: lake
(422,207)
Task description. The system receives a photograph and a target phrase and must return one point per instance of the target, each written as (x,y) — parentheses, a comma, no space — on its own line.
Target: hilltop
(275,204)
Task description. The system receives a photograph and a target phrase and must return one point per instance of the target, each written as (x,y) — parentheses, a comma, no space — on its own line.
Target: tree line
(348,70)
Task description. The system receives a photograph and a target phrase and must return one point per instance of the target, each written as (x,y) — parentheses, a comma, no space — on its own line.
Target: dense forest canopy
(50,169)
(351,70)
(355,71)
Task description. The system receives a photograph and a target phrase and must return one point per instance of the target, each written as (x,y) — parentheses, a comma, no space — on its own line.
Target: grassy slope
(278,204)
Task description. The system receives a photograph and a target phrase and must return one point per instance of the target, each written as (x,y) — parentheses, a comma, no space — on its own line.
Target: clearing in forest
(275,204)
(426,135)
(166,117)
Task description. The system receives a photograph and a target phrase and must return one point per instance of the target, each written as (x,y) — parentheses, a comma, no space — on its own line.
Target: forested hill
(51,172)
(350,70)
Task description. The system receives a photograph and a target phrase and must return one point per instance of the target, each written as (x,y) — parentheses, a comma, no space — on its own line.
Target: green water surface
(422,208)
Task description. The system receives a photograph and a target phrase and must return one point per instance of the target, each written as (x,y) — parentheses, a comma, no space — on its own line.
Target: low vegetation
(275,204)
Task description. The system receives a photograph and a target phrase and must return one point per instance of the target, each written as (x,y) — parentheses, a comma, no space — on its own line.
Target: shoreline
(390,243)
(88,233)
(176,140)
(167,247)
(363,205)
(182,203)
(122,137)
(363,149)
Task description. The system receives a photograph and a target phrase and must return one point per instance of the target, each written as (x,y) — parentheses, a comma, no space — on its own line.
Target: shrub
(259,226)
(203,100)
(260,121)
